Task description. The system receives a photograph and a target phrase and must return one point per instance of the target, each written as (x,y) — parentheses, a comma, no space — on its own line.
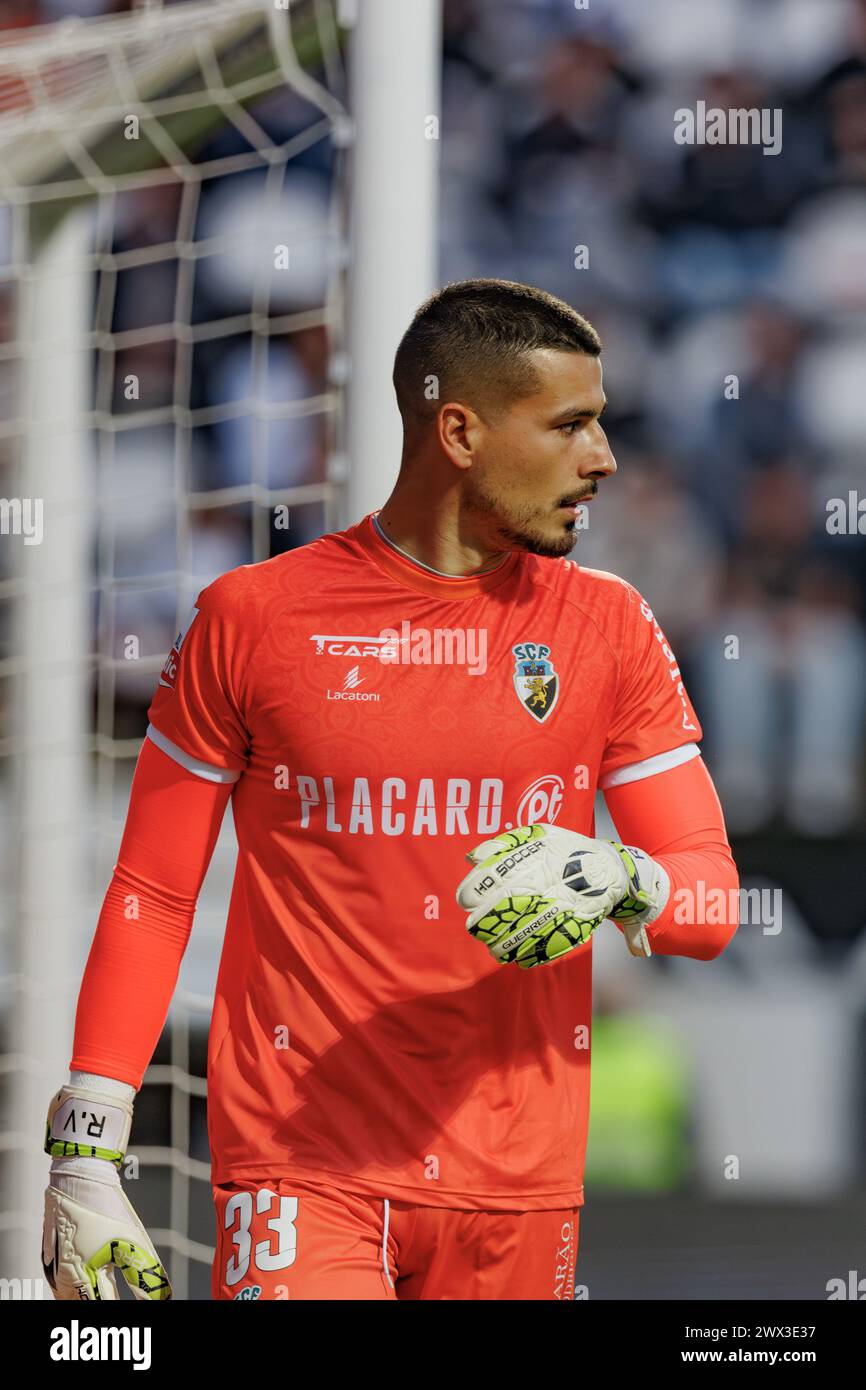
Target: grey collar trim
(420,563)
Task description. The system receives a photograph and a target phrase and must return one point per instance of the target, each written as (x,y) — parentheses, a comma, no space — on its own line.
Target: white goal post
(69,91)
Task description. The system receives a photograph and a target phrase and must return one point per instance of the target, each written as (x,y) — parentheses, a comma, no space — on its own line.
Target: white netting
(172,247)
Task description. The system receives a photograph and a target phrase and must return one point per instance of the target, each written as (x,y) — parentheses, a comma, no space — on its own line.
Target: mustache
(574,501)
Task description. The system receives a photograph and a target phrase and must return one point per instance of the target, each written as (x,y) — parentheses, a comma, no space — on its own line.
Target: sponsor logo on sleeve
(673,668)
(168,675)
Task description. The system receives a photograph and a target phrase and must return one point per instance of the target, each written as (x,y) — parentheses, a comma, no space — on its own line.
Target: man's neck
(431,539)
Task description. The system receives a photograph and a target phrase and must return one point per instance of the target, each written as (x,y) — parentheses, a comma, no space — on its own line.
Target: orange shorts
(279,1238)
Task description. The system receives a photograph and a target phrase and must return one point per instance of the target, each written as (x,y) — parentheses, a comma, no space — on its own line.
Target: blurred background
(727,1148)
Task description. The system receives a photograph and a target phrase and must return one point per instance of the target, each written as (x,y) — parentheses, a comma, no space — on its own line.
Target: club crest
(535,680)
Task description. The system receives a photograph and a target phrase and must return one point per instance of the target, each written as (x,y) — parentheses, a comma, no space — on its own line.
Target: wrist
(105,1085)
(647,887)
(96,1169)
(85,1121)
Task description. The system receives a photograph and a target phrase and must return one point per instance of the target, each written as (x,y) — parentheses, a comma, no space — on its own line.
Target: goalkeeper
(422,1134)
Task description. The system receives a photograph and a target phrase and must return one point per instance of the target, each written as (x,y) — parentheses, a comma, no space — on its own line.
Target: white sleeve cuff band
(207,771)
(661,762)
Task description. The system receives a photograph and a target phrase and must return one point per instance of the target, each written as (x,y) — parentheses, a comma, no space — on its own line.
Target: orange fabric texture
(359,1034)
(171,828)
(281,1239)
(676,817)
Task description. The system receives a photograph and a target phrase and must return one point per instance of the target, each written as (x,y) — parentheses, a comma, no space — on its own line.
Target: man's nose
(599,459)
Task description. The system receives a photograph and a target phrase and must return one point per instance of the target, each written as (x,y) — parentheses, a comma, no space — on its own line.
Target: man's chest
(419,724)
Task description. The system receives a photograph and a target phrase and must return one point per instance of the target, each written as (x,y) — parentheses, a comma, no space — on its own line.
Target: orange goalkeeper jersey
(379,720)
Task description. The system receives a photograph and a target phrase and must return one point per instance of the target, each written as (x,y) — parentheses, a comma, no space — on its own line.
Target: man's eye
(572,426)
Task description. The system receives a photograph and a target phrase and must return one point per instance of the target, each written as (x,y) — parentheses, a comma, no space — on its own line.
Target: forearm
(676,817)
(131,973)
(129,979)
(702,912)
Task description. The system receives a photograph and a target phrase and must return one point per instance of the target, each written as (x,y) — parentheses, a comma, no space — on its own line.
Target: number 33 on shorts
(257,1241)
(280,1238)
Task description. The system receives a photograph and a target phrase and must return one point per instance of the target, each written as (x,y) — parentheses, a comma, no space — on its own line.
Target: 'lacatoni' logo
(350,691)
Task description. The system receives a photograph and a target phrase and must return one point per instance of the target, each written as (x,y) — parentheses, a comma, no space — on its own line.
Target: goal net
(172,263)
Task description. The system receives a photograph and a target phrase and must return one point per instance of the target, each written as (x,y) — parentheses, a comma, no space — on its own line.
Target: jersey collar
(413,575)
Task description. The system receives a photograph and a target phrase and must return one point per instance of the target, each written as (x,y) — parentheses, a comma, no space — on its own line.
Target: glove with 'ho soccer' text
(540,891)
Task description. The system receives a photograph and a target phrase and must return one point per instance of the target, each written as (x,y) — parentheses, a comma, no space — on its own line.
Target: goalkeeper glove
(90,1226)
(539,891)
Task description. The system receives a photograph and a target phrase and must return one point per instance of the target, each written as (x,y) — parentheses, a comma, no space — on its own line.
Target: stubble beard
(514,529)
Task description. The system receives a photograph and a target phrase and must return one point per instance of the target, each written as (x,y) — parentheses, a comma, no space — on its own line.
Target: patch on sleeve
(168,675)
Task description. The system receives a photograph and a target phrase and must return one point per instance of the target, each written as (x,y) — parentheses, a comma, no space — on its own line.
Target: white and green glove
(540,891)
(90,1226)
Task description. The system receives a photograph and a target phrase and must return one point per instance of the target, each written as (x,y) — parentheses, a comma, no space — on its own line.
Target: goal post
(93,110)
(90,111)
(394,222)
(49,715)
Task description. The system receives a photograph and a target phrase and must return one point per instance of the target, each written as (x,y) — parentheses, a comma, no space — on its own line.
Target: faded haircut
(470,342)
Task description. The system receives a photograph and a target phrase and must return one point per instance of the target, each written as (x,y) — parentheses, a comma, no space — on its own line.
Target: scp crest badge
(535,680)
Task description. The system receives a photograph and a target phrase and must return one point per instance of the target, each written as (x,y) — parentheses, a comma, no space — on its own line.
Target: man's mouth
(571,504)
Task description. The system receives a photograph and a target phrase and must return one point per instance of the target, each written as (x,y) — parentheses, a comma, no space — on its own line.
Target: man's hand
(540,891)
(90,1226)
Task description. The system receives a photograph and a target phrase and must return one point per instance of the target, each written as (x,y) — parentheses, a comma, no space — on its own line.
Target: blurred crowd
(729,289)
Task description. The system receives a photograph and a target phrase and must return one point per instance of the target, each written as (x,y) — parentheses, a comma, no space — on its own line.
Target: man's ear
(460,430)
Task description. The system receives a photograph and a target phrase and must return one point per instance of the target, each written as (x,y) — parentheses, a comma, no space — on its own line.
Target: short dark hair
(474,336)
